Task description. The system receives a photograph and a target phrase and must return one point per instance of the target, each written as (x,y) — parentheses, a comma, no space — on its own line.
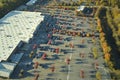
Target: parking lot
(61,49)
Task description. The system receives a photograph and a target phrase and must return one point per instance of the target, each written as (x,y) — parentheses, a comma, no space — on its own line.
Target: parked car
(39,55)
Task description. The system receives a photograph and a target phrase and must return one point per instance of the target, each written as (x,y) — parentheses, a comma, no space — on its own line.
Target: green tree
(1,4)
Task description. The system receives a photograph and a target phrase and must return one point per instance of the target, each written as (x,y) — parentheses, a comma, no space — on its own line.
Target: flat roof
(14,27)
(80,8)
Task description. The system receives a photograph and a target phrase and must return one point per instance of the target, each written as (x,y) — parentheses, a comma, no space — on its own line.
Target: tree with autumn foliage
(107,57)
(98,75)
(95,52)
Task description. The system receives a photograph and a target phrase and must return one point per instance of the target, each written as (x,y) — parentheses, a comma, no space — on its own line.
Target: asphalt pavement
(78,48)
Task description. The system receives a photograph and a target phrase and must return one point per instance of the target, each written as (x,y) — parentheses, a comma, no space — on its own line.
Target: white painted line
(68,76)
